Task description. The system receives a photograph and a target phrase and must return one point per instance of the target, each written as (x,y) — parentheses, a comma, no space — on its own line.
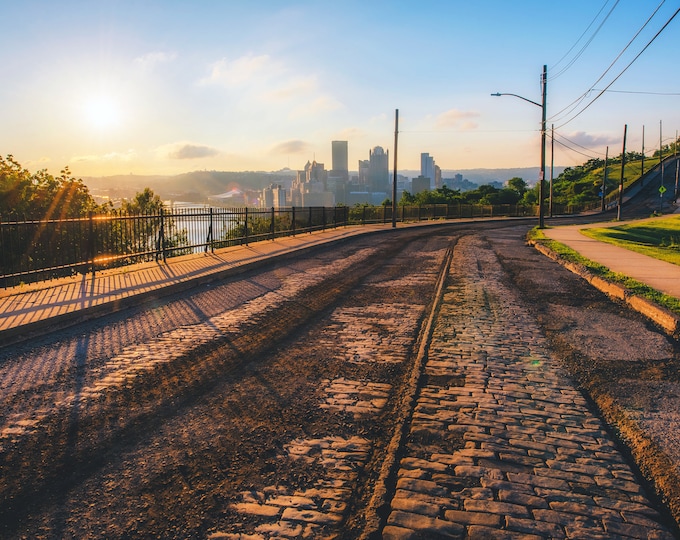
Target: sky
(170,86)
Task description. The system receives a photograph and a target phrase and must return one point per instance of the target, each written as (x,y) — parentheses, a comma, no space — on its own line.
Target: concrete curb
(665,319)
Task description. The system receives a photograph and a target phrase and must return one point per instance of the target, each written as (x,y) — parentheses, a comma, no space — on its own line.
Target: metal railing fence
(34,250)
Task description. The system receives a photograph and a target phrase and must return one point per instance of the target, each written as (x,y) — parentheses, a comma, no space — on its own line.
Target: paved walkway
(659,275)
(28,308)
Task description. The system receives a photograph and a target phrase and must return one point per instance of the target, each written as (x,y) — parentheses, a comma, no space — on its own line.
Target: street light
(544,85)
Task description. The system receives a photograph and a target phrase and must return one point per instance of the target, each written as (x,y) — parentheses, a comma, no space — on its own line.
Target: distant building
(363,172)
(273,196)
(340,156)
(309,187)
(427,168)
(378,170)
(338,177)
(420,183)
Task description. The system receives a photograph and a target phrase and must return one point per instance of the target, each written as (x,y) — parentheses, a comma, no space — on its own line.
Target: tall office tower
(378,170)
(340,159)
(363,172)
(427,168)
(338,177)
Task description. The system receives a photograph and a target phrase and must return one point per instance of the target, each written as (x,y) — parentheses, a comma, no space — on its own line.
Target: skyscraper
(378,170)
(340,159)
(427,168)
(338,178)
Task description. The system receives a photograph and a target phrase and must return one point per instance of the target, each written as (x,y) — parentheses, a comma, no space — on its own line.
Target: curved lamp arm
(498,94)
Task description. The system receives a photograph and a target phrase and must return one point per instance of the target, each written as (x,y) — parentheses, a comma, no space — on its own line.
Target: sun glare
(102,112)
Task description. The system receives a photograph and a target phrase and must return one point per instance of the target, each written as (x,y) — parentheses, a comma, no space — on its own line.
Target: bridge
(434,381)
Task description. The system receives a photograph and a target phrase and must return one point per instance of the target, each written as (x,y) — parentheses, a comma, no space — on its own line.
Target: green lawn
(658,238)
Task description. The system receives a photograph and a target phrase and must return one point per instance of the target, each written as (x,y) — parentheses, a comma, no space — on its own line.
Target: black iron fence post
(293,221)
(160,249)
(271,224)
(245,226)
(209,239)
(309,222)
(90,243)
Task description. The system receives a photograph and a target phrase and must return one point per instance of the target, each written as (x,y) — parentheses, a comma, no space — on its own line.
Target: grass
(659,238)
(635,287)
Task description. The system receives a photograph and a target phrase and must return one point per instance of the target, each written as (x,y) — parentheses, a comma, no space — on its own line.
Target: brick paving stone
(392,532)
(531,526)
(415,506)
(632,530)
(493,507)
(517,497)
(473,518)
(424,524)
(533,461)
(479,532)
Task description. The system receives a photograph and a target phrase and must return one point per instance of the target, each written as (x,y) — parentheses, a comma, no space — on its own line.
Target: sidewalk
(28,309)
(660,275)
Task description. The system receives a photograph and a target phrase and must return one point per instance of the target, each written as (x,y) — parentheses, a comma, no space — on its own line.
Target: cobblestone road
(305,441)
(501,444)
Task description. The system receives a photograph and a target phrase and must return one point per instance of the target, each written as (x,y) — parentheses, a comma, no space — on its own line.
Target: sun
(102,112)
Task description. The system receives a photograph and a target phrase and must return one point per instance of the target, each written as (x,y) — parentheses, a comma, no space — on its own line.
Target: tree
(40,195)
(518,184)
(144,203)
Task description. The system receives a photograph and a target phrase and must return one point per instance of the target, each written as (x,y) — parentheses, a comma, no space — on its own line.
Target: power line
(578,55)
(574,104)
(573,149)
(624,69)
(576,144)
(638,92)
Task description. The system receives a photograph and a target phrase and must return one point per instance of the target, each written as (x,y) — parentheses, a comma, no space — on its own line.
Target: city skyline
(171,87)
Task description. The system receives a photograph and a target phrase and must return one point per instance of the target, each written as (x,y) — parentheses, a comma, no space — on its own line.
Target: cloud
(589,140)
(300,86)
(191,151)
(129,155)
(230,73)
(151,59)
(321,104)
(455,118)
(292,147)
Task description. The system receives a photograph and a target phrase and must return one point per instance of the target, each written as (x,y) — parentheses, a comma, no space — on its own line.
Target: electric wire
(574,104)
(577,144)
(624,69)
(574,149)
(638,92)
(578,55)
(554,66)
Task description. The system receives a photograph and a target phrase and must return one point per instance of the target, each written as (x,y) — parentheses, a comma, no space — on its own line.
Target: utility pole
(552,168)
(623,164)
(604,177)
(544,80)
(662,189)
(394,176)
(675,153)
(642,172)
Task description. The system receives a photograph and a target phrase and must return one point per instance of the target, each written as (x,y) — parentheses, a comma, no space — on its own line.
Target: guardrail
(34,250)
